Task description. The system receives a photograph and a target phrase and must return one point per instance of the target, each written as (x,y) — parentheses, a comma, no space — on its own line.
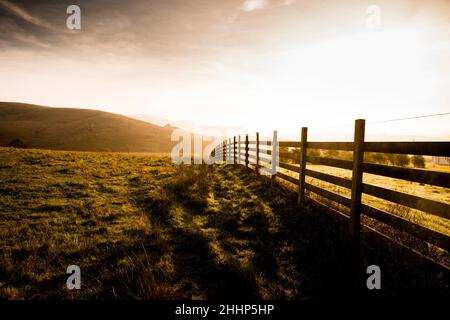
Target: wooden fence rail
(264,156)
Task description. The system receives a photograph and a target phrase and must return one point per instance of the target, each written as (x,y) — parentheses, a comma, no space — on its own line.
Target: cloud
(252,5)
(24,15)
(31,40)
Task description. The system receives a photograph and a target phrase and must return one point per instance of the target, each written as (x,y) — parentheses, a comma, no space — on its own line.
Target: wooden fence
(238,151)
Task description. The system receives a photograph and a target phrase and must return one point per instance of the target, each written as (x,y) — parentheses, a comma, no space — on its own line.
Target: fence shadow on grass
(232,235)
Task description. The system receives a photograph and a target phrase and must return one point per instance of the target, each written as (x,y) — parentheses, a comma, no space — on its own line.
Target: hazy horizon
(256,64)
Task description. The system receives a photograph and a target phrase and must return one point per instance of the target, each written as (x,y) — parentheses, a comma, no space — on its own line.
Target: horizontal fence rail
(266,158)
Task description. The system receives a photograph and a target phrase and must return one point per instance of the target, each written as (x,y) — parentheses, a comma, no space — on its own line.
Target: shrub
(17,143)
(418,161)
(374,157)
(312,152)
(401,160)
(331,154)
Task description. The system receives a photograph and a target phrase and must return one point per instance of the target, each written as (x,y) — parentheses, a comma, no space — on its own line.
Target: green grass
(142,228)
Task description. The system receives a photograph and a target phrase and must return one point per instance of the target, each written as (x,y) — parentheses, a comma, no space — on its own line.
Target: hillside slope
(79,130)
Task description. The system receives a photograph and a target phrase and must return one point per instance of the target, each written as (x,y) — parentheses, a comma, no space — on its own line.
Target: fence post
(230,155)
(274,161)
(357,173)
(230,150)
(239,149)
(224,151)
(301,177)
(246,151)
(192,160)
(257,153)
(234,150)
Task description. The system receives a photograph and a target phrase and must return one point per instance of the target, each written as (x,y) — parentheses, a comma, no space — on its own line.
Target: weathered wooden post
(239,149)
(192,150)
(234,150)
(257,153)
(231,151)
(357,175)
(224,151)
(246,151)
(301,177)
(228,151)
(274,161)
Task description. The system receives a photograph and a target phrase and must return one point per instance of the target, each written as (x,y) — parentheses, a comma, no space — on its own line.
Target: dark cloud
(146,26)
(166,27)
(181,28)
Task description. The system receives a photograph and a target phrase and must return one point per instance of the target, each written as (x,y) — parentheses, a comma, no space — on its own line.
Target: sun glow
(370,74)
(256,66)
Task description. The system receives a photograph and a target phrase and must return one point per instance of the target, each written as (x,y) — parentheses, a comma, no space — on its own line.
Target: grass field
(142,228)
(435,193)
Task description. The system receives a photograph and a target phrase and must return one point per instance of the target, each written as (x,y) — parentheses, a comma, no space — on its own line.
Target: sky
(256,64)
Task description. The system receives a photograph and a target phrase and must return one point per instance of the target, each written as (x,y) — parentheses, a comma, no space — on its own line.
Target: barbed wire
(389,120)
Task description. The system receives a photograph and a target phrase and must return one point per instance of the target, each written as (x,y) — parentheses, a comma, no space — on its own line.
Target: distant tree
(312,152)
(418,161)
(375,157)
(294,151)
(17,143)
(401,160)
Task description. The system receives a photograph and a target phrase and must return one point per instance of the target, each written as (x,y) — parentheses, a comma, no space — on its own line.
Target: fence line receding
(266,156)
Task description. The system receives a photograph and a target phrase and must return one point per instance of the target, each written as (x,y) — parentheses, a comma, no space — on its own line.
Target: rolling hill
(79,130)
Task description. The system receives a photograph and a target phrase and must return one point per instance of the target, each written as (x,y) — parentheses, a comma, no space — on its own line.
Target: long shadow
(97,275)
(259,238)
(321,258)
(307,253)
(217,280)
(198,269)
(328,264)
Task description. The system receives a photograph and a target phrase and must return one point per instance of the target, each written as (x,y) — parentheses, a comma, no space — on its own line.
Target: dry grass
(430,221)
(141,228)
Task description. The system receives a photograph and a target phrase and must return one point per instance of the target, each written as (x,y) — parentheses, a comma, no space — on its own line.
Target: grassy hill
(79,130)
